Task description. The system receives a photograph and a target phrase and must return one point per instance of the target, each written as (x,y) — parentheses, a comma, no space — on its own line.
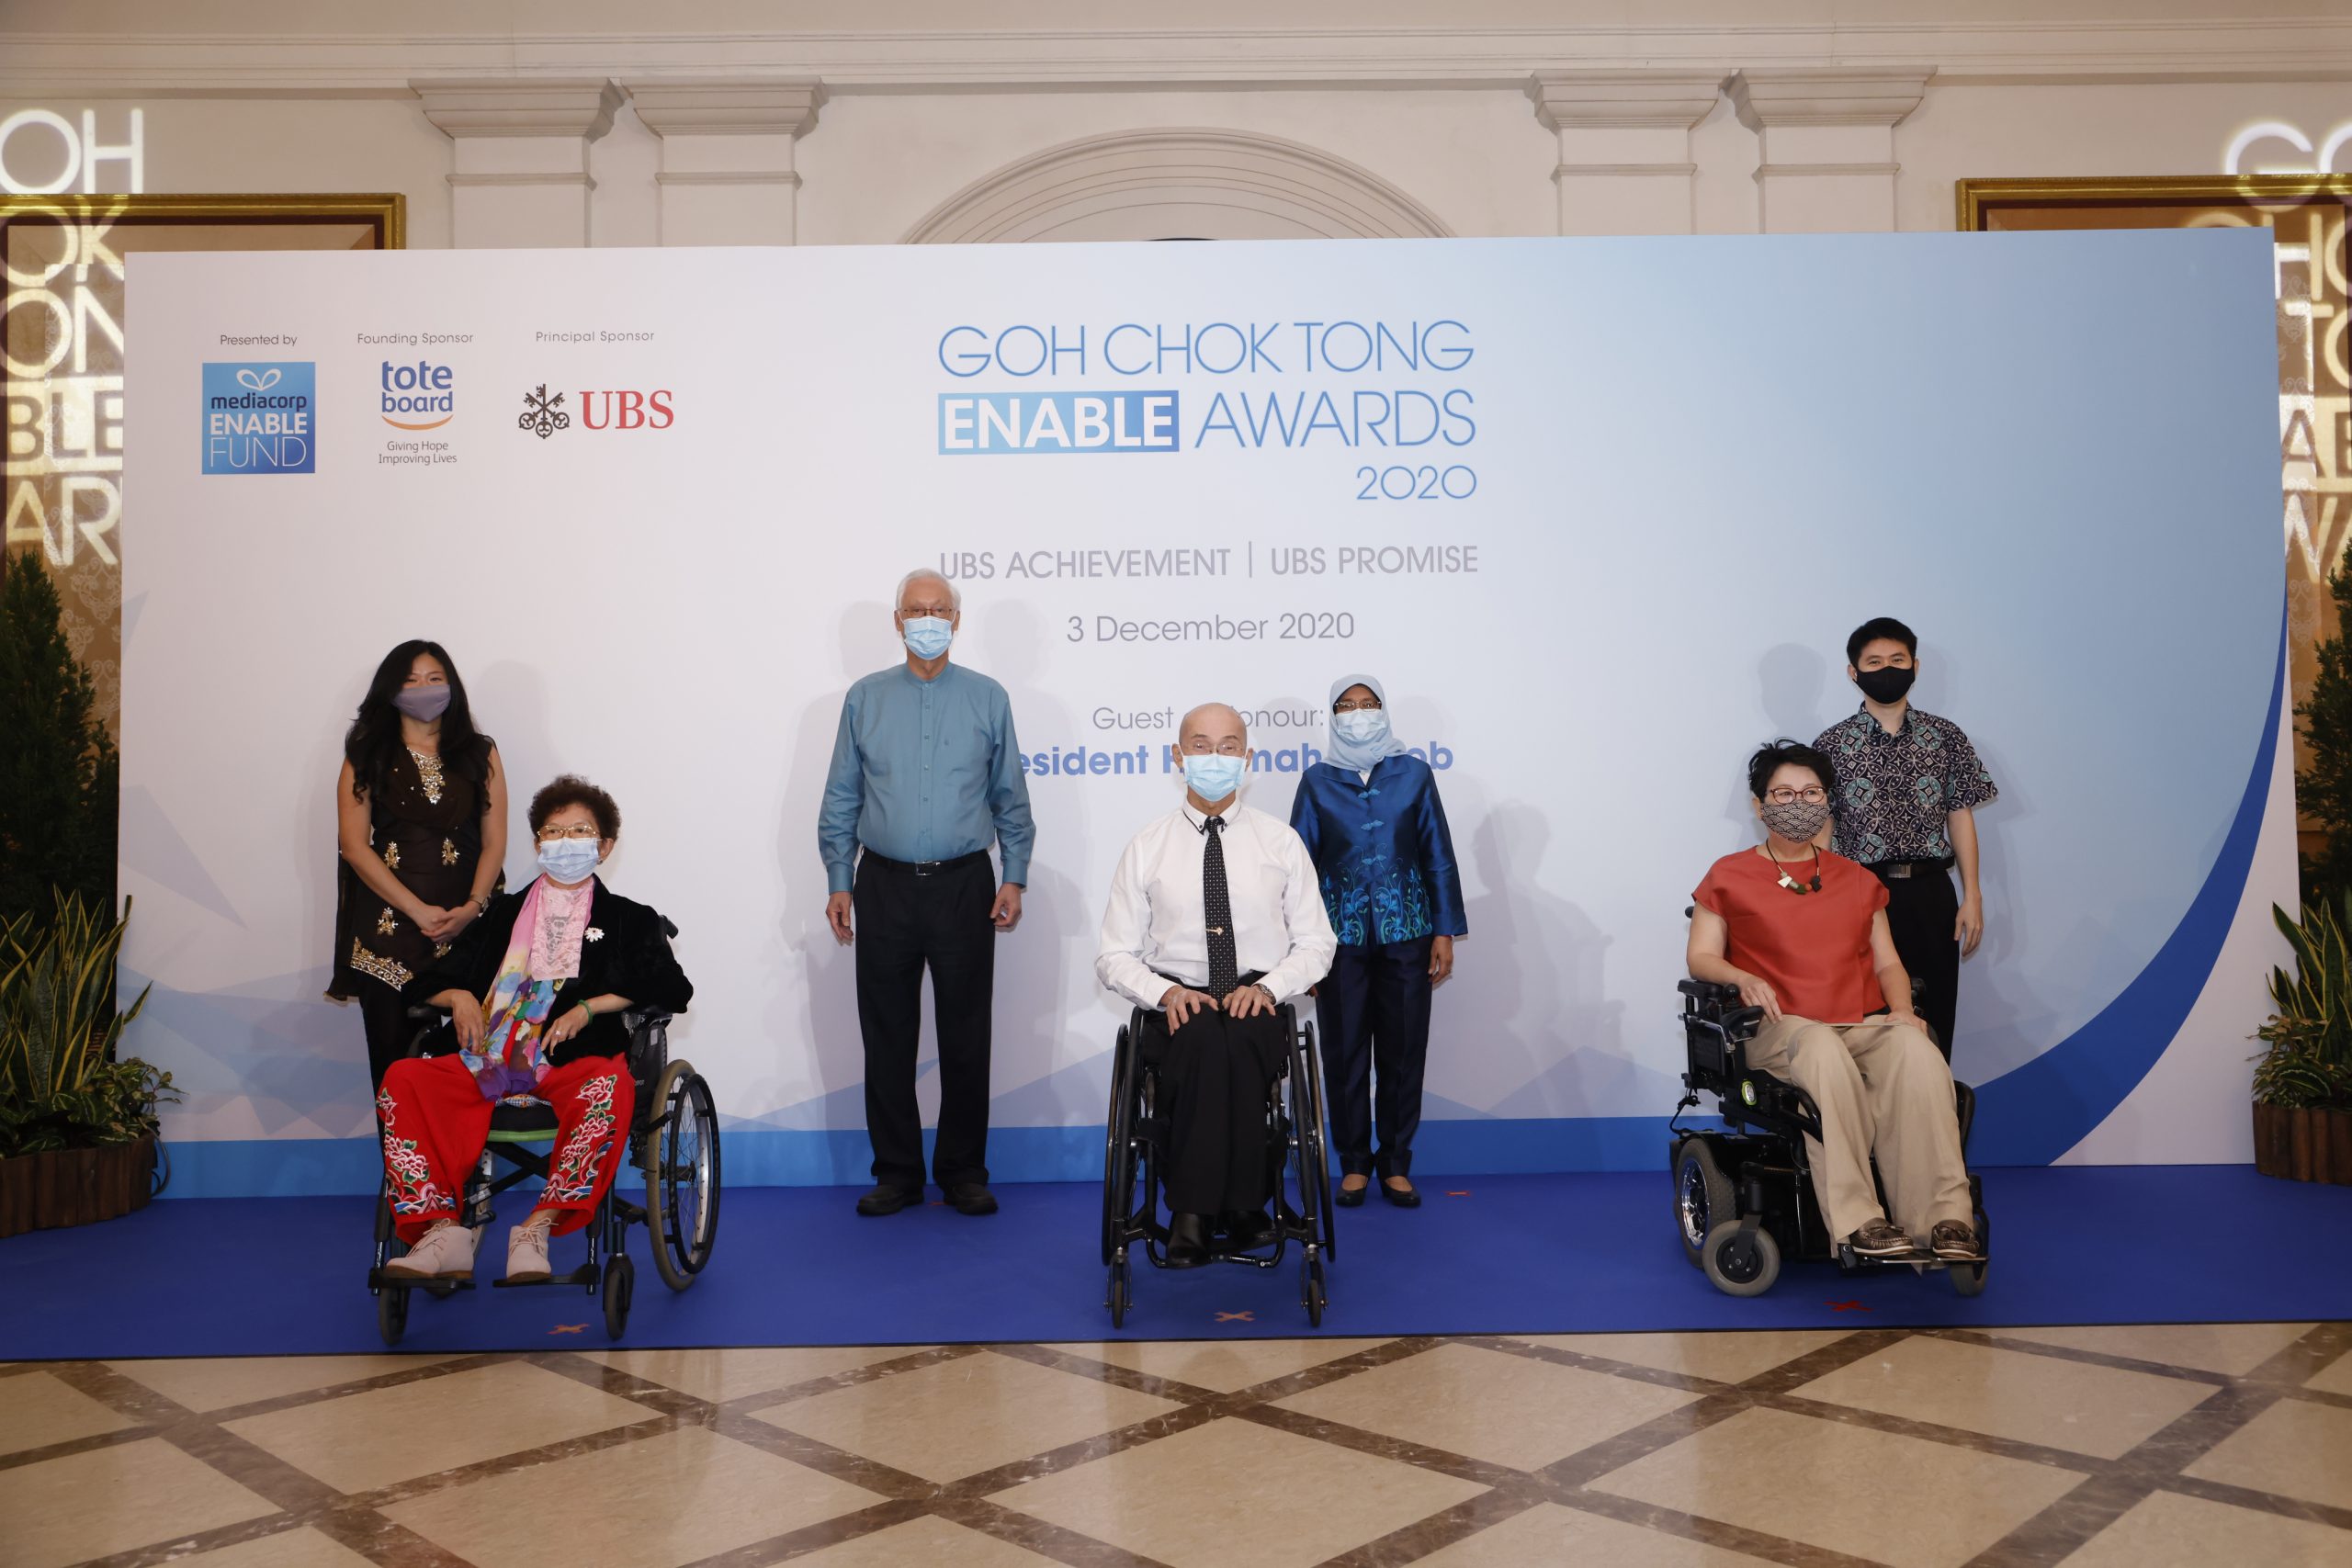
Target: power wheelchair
(1298,1142)
(1742,1196)
(672,1139)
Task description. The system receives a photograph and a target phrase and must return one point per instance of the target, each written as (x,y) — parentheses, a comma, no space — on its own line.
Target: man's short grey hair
(924,574)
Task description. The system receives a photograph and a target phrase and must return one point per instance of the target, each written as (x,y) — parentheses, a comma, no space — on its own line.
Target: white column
(1625,162)
(726,147)
(521,176)
(1829,142)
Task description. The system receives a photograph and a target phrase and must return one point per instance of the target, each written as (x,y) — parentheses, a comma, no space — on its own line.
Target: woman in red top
(1802,934)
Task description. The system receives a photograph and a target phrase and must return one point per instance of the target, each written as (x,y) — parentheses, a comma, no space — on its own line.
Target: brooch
(593,934)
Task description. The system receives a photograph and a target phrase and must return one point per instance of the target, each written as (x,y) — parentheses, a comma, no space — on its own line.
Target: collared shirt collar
(1197,819)
(1900,732)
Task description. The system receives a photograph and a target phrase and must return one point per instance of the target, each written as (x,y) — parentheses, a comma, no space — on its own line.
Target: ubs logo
(544,413)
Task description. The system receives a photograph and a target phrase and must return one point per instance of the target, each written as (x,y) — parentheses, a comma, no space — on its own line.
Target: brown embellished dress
(426,824)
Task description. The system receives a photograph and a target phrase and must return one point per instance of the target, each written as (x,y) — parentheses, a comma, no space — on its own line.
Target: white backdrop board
(1601,514)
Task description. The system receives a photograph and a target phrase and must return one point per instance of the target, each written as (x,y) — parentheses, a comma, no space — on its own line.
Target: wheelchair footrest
(384,1280)
(584,1275)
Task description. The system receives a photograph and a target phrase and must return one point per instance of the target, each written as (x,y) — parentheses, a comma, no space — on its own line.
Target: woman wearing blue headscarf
(1371,818)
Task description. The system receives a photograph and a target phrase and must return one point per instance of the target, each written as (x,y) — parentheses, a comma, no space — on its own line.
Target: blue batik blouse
(1383,851)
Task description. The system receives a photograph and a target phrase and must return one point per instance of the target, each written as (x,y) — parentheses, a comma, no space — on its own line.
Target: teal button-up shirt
(924,771)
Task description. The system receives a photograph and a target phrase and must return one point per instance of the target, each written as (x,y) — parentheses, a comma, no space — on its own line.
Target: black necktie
(1216,903)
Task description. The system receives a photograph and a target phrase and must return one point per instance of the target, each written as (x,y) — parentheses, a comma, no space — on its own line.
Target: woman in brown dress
(420,817)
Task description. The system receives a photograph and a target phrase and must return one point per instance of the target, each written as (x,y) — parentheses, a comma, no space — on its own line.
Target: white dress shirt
(1157,920)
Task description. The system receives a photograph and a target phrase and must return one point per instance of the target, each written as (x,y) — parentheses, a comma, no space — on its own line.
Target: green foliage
(60,1083)
(2309,1062)
(59,772)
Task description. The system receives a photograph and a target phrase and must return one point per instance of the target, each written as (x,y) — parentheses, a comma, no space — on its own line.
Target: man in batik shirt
(1908,785)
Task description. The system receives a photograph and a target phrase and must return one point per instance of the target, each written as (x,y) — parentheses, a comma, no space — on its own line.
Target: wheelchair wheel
(1118,1300)
(1702,1197)
(1315,1146)
(1310,1275)
(620,1283)
(682,1183)
(1741,1262)
(1967,1279)
(1118,1163)
(391,1312)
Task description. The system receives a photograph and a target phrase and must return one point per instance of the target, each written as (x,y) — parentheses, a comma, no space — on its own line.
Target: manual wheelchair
(672,1139)
(1742,1196)
(1298,1142)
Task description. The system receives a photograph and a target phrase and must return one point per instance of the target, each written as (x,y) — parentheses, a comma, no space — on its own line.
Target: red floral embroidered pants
(435,1122)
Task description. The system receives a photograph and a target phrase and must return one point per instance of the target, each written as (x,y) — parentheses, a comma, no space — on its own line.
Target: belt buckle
(927,867)
(1899,869)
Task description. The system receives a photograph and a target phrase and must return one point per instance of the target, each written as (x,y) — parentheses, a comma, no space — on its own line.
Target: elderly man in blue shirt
(926,775)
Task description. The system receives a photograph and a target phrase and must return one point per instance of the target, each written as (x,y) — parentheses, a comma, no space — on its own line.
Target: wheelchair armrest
(1708,990)
(1740,1024)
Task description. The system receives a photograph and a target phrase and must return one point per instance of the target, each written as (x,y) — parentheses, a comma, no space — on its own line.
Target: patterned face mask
(1798,820)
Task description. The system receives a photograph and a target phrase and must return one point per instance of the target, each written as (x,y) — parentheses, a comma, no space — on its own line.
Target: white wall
(914,104)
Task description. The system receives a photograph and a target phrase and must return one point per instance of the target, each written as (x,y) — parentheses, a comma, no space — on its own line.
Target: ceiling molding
(54,67)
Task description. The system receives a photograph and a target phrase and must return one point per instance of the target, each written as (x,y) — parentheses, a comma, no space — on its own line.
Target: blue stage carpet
(1485,1254)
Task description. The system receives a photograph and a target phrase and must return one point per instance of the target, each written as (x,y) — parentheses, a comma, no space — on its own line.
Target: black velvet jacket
(626,954)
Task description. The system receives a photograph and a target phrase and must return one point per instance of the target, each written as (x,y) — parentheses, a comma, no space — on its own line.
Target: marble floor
(2143,1446)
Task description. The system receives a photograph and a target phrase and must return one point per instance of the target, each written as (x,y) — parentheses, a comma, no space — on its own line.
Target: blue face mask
(928,635)
(569,860)
(1214,778)
(1363,726)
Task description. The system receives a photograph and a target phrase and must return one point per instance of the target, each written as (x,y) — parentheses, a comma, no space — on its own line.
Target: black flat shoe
(888,1200)
(1188,1241)
(1410,1198)
(1249,1230)
(971,1198)
(1350,1197)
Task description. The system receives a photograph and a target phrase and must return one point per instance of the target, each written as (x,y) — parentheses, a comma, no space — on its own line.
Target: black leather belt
(926,868)
(1896,869)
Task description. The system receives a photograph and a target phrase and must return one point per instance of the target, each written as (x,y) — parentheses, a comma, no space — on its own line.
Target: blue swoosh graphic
(2034,1113)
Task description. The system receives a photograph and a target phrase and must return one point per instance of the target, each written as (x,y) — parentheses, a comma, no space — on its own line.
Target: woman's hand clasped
(442,925)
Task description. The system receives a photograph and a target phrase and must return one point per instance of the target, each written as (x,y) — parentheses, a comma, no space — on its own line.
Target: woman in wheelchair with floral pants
(1802,933)
(535,991)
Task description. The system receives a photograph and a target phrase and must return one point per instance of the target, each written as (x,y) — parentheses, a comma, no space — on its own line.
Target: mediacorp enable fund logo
(261,418)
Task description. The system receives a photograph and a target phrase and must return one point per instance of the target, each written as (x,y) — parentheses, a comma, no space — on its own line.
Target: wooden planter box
(74,1187)
(2304,1145)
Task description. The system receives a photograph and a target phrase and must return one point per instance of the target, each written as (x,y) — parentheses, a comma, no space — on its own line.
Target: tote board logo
(261,419)
(604,408)
(422,396)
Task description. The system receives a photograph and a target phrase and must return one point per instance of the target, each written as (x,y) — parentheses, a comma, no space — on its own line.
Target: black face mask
(1887,684)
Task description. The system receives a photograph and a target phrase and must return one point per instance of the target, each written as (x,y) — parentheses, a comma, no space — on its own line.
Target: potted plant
(77,1126)
(2302,1082)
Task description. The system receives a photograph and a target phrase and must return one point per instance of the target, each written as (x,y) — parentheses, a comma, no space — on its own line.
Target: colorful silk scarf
(509,1063)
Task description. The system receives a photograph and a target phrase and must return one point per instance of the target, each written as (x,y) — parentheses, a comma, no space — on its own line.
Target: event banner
(1600,515)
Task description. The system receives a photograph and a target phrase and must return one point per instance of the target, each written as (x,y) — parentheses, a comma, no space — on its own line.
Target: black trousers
(383,1013)
(905,923)
(1920,910)
(1215,1074)
(1372,1014)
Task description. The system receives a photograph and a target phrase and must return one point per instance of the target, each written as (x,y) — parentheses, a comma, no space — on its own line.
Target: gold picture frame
(62,334)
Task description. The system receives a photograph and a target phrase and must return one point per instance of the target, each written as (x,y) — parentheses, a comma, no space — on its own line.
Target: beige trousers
(1882,1088)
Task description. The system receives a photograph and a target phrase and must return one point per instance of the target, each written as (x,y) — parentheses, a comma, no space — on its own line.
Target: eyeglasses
(1812,795)
(548,835)
(1224,749)
(1368,704)
(913,612)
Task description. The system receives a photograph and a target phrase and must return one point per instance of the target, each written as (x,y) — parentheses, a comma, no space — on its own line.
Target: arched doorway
(1177,183)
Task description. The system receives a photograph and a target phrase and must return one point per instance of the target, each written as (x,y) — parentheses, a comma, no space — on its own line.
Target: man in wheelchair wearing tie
(1215,917)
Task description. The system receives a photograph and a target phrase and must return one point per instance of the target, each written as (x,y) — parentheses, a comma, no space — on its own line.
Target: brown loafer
(1955,1243)
(1880,1239)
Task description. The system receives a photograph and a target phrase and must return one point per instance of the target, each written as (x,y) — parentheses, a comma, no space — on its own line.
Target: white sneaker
(526,1255)
(446,1252)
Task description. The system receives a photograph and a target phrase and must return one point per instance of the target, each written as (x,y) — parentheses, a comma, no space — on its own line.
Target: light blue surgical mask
(569,860)
(1214,778)
(1361,726)
(928,635)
